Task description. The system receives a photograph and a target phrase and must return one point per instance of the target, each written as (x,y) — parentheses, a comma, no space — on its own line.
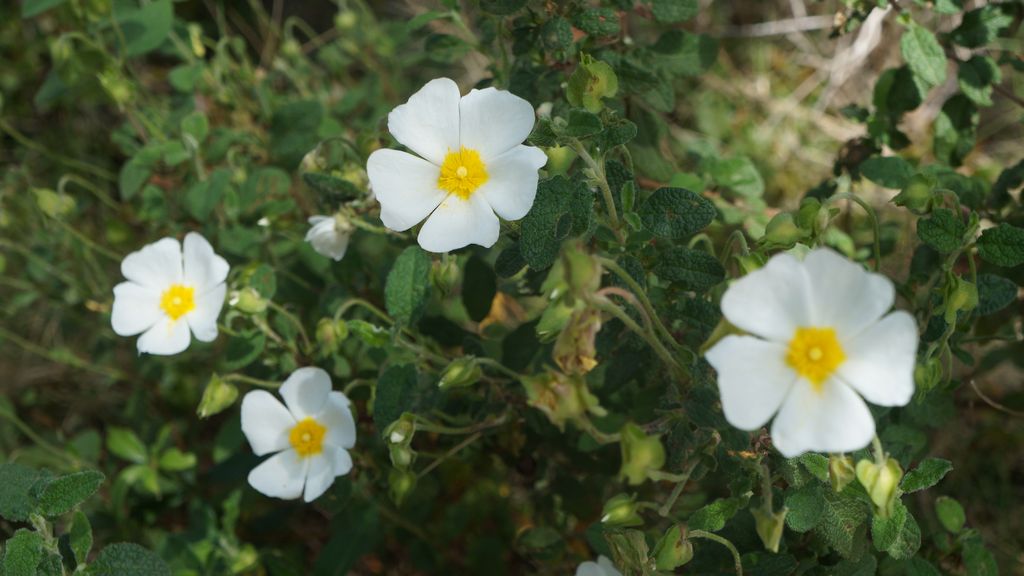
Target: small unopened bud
(444,274)
(769,526)
(248,300)
(783,232)
(562,398)
(641,453)
(621,511)
(400,484)
(461,373)
(673,549)
(195,37)
(882,482)
(961,296)
(840,472)
(917,196)
(330,333)
(560,158)
(807,214)
(927,375)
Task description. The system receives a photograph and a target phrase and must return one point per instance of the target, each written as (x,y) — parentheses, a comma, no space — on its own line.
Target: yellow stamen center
(307,437)
(178,300)
(462,173)
(815,353)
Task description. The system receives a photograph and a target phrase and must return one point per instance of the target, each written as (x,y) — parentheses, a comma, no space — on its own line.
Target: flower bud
(461,373)
(248,300)
(782,231)
(807,214)
(840,471)
(961,296)
(882,482)
(444,274)
(562,398)
(927,375)
(575,351)
(53,204)
(195,38)
(560,158)
(592,81)
(330,333)
(217,397)
(641,453)
(673,549)
(917,196)
(621,511)
(400,484)
(769,526)
(345,20)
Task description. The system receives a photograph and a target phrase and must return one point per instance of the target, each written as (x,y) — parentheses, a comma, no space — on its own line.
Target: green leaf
(841,519)
(134,174)
(124,444)
(955,129)
(977,76)
(889,171)
(927,474)
(332,190)
(692,269)
(981,26)
(1002,245)
(737,174)
(353,532)
(479,285)
(502,7)
(673,11)
(598,21)
(713,516)
(64,493)
(393,395)
(174,460)
(80,537)
(676,213)
(923,54)
(994,294)
(217,397)
(371,334)
(1010,178)
(943,230)
(22,553)
(805,507)
(562,207)
(243,349)
(556,34)
(899,535)
(408,286)
(16,502)
(144,28)
(127,560)
(196,125)
(204,196)
(951,514)
(682,53)
(978,561)
(293,131)
(583,123)
(30,8)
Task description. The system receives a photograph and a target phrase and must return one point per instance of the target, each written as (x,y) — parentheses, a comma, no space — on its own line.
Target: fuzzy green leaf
(923,53)
(127,560)
(562,207)
(22,553)
(713,516)
(394,395)
(927,474)
(943,230)
(676,213)
(841,519)
(951,514)
(889,171)
(124,444)
(692,269)
(737,174)
(1002,245)
(673,11)
(16,503)
(66,492)
(981,26)
(408,286)
(80,537)
(805,507)
(994,294)
(977,76)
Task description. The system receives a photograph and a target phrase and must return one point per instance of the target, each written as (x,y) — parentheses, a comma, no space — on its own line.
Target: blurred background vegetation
(102,151)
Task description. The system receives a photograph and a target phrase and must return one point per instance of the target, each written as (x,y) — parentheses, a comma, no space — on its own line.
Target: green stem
(294,320)
(485,361)
(250,380)
(96,190)
(59,158)
(453,451)
(428,426)
(587,426)
(647,335)
(597,168)
(54,356)
(37,439)
(876,445)
(724,542)
(871,215)
(641,295)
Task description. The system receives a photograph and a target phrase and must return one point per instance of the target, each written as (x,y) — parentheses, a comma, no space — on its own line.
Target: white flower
(329,236)
(168,292)
(311,436)
(603,567)
(472,166)
(821,340)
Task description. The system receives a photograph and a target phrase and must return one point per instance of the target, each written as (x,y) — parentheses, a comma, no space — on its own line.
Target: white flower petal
(833,419)
(771,302)
(428,124)
(493,121)
(337,417)
(845,296)
(457,223)
(323,468)
(753,379)
(280,476)
(203,269)
(589,568)
(136,309)
(326,238)
(156,265)
(203,320)
(607,566)
(305,391)
(266,422)
(512,181)
(165,338)
(405,186)
(880,360)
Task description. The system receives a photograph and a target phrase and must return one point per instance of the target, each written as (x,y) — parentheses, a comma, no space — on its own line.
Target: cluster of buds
(398,436)
(642,453)
(569,287)
(881,479)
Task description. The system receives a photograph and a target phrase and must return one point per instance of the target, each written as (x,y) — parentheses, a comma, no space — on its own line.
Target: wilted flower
(329,235)
(820,336)
(603,567)
(471,165)
(169,292)
(310,433)
(563,398)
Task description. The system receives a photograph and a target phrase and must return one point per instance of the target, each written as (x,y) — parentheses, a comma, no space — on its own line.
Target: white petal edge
(165,338)
(266,422)
(844,295)
(607,566)
(337,417)
(203,320)
(326,239)
(428,124)
(280,476)
(136,309)
(323,468)
(156,265)
(589,568)
(405,186)
(834,419)
(305,391)
(753,379)
(511,185)
(880,360)
(493,121)
(771,302)
(203,269)
(457,223)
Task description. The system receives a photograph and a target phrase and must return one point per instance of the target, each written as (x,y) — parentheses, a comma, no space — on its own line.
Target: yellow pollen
(307,437)
(462,173)
(815,353)
(178,300)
